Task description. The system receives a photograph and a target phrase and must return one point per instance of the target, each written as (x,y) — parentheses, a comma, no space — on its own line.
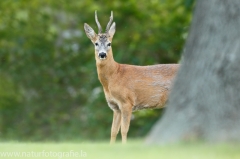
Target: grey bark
(204,103)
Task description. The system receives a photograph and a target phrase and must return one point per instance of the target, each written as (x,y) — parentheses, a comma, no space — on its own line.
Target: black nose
(102,55)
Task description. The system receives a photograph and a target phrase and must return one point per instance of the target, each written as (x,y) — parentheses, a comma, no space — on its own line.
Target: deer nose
(102,55)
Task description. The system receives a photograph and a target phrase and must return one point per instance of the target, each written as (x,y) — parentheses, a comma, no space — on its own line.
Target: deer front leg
(125,121)
(115,125)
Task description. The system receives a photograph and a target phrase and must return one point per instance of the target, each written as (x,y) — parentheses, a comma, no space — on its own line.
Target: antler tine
(110,22)
(98,24)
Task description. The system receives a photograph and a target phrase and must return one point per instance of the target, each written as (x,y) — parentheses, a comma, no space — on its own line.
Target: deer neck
(106,69)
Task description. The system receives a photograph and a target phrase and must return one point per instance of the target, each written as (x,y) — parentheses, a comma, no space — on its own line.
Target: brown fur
(130,88)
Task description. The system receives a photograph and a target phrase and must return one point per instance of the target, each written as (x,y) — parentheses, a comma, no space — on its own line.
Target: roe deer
(128,88)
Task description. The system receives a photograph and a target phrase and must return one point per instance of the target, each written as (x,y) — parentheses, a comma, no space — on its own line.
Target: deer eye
(96,44)
(109,44)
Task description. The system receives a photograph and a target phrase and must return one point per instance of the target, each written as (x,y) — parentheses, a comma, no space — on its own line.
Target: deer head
(102,41)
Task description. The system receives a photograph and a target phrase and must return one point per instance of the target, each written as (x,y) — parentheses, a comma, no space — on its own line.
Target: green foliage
(49,88)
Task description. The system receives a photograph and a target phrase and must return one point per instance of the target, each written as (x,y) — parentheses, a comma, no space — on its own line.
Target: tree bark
(204,103)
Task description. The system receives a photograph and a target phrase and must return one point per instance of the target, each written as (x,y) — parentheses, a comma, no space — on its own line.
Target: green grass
(132,150)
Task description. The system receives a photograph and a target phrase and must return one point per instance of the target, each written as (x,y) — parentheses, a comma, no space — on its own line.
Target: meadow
(103,150)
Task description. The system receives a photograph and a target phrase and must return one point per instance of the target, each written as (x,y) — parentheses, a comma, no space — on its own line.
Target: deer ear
(112,30)
(90,32)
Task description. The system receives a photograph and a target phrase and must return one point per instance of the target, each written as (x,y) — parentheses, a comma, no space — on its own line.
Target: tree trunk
(204,103)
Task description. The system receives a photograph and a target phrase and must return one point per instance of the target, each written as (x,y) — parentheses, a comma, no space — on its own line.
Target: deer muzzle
(102,55)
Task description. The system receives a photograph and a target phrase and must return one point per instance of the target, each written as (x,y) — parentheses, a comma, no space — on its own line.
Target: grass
(132,150)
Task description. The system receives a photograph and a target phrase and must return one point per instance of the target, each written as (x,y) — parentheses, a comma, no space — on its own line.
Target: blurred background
(49,90)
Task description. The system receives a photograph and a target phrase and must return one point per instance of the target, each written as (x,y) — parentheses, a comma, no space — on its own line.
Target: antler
(98,24)
(109,23)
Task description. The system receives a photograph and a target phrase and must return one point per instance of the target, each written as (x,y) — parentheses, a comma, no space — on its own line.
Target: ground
(134,149)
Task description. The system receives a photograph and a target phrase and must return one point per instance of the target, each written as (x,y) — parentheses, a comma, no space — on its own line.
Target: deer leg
(115,125)
(125,122)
